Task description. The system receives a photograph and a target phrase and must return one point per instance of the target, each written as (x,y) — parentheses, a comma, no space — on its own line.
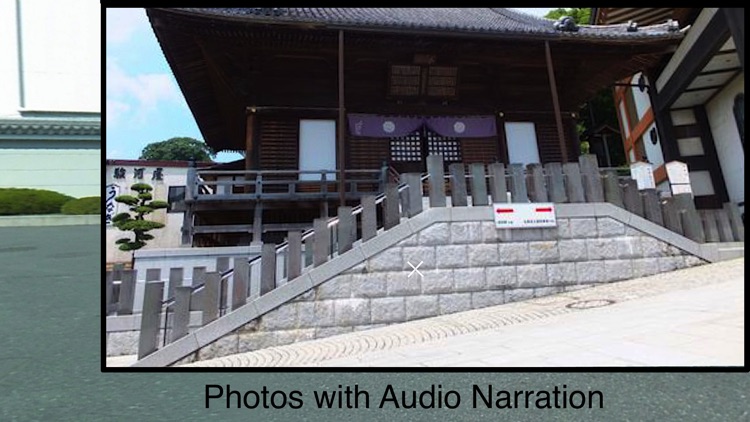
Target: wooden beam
(705,47)
(555,102)
(736,21)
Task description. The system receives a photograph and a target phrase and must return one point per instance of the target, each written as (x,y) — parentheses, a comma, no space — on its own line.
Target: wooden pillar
(251,146)
(342,123)
(555,102)
(251,149)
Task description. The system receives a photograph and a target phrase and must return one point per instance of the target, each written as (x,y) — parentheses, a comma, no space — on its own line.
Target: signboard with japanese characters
(111,205)
(515,216)
(679,177)
(643,174)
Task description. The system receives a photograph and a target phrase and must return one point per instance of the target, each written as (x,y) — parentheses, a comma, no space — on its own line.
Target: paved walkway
(690,317)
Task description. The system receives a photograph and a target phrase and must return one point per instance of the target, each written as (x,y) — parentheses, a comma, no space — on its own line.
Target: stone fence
(327,272)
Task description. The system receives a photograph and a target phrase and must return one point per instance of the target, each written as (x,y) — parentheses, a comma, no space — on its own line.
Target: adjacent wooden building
(305,93)
(690,106)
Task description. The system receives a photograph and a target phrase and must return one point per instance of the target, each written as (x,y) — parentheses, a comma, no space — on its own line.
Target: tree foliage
(139,206)
(180,148)
(581,16)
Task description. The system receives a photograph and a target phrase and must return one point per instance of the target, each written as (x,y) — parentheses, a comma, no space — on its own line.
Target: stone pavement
(689,317)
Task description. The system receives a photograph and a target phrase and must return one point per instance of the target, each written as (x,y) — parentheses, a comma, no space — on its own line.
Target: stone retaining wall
(466,265)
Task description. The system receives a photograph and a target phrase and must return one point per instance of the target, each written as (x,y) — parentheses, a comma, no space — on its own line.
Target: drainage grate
(589,304)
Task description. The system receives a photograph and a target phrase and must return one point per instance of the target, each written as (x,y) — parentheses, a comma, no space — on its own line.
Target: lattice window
(405,80)
(407,148)
(442,81)
(449,148)
(414,80)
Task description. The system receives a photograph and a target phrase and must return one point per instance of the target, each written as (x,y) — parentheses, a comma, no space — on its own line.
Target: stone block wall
(465,265)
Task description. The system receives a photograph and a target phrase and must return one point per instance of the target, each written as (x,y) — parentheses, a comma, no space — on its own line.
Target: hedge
(82,206)
(22,201)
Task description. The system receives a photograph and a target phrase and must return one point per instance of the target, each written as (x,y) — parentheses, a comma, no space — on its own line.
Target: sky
(144,102)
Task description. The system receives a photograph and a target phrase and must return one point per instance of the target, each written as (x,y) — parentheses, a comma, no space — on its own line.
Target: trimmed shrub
(22,201)
(83,206)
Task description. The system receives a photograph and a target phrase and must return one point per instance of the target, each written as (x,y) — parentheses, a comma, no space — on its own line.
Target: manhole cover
(589,304)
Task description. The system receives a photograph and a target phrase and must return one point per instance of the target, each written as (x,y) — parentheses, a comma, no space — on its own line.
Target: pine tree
(134,220)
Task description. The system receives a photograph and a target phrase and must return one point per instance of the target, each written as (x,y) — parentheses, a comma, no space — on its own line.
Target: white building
(693,109)
(50,95)
(168,180)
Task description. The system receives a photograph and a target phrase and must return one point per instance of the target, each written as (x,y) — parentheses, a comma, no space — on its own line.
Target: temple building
(328,105)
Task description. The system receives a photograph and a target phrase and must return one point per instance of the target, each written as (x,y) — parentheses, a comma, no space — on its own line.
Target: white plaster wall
(69,167)
(9,100)
(167,237)
(653,152)
(727,138)
(642,101)
(61,43)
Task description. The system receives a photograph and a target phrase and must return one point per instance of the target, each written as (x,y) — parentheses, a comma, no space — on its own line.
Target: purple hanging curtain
(463,126)
(377,126)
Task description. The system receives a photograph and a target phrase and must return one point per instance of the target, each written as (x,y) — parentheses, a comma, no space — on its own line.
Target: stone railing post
(240,282)
(555,183)
(458,185)
(369,218)
(518,191)
(148,339)
(478,185)
(498,185)
(436,180)
(573,183)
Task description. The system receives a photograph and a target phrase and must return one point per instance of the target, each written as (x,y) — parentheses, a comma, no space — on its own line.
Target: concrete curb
(49,220)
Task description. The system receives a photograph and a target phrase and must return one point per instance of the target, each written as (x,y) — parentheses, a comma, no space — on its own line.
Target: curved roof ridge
(485,21)
(521,16)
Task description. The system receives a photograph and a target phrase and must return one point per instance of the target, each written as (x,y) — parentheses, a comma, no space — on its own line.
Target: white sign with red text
(515,216)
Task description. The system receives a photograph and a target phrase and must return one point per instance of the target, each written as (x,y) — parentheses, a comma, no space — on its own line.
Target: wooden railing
(288,185)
